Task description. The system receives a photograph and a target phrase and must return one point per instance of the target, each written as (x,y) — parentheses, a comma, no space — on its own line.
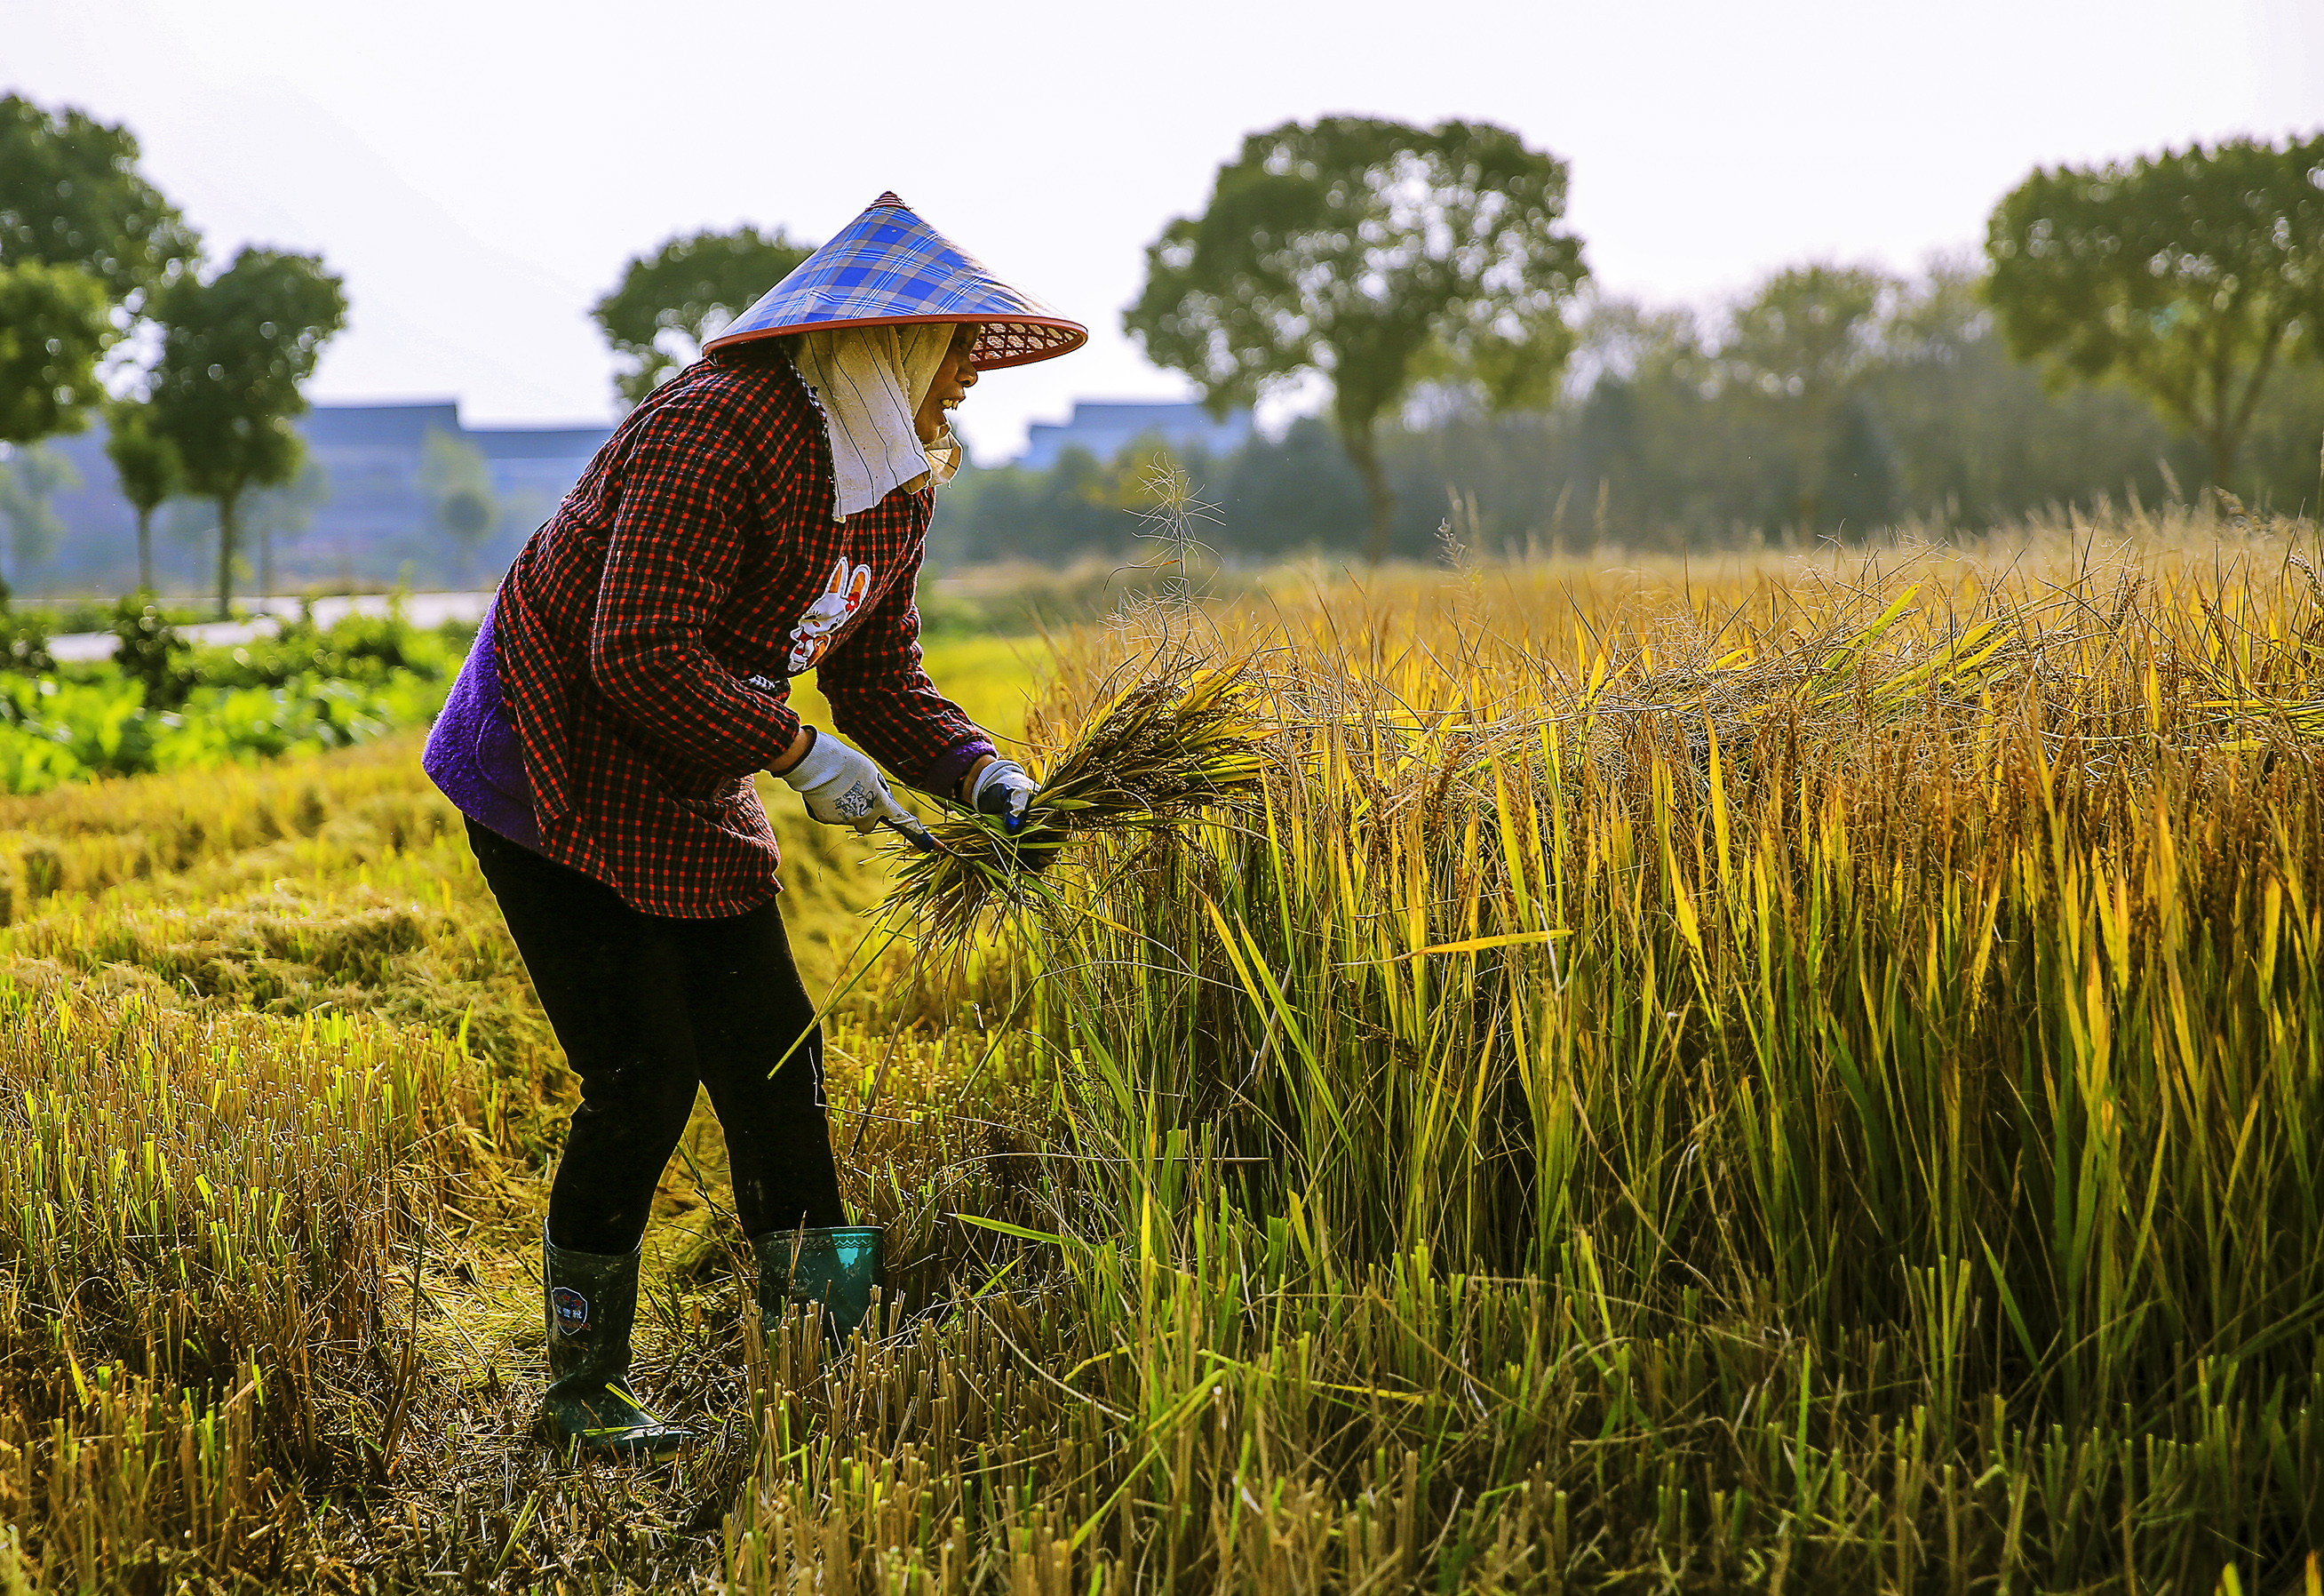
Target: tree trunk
(2232,413)
(230,536)
(145,548)
(2224,445)
(1363,454)
(265,561)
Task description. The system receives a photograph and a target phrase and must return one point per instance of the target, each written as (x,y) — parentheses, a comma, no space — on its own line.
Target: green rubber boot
(592,1300)
(836,1269)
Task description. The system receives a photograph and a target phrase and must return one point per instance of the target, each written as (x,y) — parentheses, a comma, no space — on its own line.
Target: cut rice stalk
(1179,740)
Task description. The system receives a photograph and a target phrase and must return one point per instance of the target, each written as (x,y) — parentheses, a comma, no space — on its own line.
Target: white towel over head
(871,381)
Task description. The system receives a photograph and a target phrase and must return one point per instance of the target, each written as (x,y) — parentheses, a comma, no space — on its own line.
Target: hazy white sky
(478,172)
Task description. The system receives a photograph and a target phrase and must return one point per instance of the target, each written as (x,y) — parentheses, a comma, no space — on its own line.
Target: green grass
(306,690)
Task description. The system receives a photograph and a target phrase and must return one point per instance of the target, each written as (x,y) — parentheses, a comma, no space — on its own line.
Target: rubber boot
(835,1268)
(592,1299)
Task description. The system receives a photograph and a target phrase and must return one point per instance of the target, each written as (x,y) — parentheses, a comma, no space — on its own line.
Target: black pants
(645,1006)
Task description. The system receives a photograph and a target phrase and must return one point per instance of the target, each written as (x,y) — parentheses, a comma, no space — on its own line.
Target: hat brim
(1002,340)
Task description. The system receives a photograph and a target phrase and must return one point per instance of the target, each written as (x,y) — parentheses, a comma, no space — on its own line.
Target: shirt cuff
(945,771)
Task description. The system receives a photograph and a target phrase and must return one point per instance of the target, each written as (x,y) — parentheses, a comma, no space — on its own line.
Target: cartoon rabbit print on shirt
(812,636)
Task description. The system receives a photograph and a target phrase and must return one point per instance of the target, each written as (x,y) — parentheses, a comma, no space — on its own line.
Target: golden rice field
(1787,1074)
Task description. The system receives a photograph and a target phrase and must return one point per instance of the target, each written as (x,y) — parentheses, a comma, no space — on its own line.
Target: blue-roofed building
(365,512)
(1105,427)
(536,463)
(369,456)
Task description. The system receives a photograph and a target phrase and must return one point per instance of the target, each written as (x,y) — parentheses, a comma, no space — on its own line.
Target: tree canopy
(80,232)
(70,195)
(1697,430)
(1376,254)
(54,328)
(2187,276)
(235,350)
(1797,354)
(669,303)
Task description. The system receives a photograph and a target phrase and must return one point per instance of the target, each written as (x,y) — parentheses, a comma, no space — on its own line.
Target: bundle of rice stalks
(1180,740)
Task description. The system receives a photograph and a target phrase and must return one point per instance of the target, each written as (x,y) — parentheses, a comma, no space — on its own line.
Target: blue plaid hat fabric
(888,267)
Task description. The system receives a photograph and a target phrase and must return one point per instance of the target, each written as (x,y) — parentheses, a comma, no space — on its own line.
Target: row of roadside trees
(1423,276)
(1826,401)
(107,305)
(1390,261)
(2132,326)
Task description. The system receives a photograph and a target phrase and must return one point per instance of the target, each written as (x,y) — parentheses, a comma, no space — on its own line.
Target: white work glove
(841,787)
(1003,791)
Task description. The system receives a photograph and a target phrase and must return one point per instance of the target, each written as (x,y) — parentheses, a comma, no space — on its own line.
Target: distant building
(370,455)
(538,463)
(1107,426)
(362,514)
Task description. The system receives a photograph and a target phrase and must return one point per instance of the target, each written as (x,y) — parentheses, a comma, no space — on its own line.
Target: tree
(458,488)
(151,474)
(2185,276)
(28,479)
(1375,254)
(1809,333)
(54,328)
(1798,350)
(1979,437)
(80,232)
(1275,498)
(1857,485)
(672,302)
(70,196)
(235,350)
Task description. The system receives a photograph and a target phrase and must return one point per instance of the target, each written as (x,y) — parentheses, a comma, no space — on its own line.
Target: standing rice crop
(1804,1075)
(1797,1084)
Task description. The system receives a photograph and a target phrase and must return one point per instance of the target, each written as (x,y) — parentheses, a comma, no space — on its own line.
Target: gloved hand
(1003,791)
(843,787)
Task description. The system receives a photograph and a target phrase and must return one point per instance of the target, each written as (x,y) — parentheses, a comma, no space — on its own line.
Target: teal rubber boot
(592,1300)
(836,1269)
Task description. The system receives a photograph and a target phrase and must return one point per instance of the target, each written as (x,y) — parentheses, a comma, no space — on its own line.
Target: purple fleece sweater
(474,756)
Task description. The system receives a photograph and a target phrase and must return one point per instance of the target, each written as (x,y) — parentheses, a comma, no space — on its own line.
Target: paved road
(423,609)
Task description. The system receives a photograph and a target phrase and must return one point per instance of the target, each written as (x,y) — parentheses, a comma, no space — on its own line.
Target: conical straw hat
(888,268)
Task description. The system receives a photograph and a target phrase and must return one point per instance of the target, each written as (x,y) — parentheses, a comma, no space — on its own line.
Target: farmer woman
(762,515)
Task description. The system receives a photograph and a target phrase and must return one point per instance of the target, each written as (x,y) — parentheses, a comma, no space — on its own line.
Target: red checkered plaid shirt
(647,633)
